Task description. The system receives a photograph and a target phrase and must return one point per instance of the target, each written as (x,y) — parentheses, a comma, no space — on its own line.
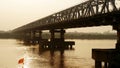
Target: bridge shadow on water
(61,61)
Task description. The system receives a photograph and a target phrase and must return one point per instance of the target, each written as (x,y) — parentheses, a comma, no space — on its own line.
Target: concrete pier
(35,37)
(56,43)
(105,56)
(110,57)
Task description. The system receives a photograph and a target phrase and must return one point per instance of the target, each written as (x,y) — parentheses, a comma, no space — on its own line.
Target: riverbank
(69,35)
(77,35)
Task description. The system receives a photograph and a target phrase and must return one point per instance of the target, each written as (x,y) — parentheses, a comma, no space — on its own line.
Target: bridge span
(88,14)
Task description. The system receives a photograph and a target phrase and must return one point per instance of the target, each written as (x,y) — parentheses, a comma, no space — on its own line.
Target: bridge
(87,14)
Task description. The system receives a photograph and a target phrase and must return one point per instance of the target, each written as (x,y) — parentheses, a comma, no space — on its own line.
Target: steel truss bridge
(86,14)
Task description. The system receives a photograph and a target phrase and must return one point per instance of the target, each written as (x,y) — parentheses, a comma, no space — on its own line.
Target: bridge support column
(61,31)
(23,36)
(42,42)
(118,40)
(52,35)
(57,42)
(26,37)
(52,38)
(29,36)
(40,35)
(117,28)
(33,36)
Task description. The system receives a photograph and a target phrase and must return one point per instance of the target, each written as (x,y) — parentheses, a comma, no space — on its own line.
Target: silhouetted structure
(87,14)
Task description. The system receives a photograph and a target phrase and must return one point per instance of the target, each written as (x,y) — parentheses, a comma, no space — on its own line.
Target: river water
(12,50)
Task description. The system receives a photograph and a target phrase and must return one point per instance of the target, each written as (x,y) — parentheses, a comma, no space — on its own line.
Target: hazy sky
(15,13)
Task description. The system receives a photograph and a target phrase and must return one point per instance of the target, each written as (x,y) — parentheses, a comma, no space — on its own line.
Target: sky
(15,13)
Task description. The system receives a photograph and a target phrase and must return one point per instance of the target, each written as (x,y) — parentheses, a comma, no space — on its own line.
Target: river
(11,51)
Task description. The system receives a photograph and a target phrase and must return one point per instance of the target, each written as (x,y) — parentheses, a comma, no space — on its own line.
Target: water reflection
(33,59)
(11,51)
(36,57)
(61,58)
(52,57)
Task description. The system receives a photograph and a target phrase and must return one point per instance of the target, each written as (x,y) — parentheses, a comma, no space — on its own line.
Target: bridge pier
(37,37)
(31,37)
(57,39)
(118,40)
(40,35)
(57,42)
(61,32)
(117,28)
(110,57)
(26,37)
(42,42)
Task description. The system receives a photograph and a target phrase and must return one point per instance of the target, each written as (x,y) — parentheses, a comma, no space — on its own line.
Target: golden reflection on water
(38,58)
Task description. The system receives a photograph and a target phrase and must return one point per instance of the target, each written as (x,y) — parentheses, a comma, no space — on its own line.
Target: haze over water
(12,50)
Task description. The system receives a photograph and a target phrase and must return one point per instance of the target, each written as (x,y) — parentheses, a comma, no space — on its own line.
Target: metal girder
(86,9)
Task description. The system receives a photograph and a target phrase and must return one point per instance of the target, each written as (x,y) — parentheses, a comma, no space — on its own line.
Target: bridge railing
(86,9)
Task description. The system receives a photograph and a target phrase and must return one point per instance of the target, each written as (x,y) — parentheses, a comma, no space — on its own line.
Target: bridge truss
(83,10)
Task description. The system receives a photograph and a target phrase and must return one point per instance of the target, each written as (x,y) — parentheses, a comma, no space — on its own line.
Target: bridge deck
(89,13)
